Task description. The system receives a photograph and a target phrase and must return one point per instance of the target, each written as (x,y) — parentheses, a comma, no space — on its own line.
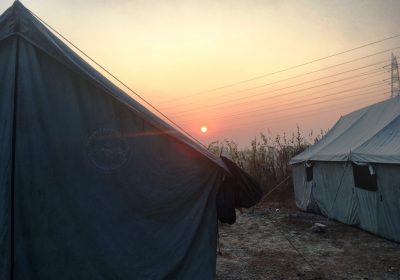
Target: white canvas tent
(92,184)
(353,173)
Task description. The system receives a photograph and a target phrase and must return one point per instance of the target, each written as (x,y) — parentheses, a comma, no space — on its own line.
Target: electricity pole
(395,83)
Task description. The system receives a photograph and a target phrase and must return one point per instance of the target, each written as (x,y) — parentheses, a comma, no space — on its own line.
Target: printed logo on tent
(107,149)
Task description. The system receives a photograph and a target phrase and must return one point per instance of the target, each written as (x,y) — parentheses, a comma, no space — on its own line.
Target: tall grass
(267,160)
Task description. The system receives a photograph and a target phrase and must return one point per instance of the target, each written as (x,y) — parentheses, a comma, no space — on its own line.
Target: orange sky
(173,52)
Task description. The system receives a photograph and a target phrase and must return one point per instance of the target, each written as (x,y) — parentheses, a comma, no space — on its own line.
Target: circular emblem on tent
(108,149)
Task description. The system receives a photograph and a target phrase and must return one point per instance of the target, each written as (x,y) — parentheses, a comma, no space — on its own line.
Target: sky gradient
(174,52)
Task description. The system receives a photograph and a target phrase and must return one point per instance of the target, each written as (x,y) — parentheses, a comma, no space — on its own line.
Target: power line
(262,108)
(330,88)
(247,123)
(297,76)
(209,107)
(306,82)
(302,96)
(305,114)
(309,113)
(121,82)
(292,67)
(295,107)
(285,103)
(179,114)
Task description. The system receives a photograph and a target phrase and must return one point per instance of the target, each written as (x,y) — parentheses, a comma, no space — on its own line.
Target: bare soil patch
(279,244)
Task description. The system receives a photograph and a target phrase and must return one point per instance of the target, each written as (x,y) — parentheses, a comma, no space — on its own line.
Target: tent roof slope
(19,21)
(370,134)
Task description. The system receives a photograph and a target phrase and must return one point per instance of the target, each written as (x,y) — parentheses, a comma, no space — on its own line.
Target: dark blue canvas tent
(92,184)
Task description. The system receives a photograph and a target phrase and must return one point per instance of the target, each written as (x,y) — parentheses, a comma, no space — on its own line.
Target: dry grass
(267,160)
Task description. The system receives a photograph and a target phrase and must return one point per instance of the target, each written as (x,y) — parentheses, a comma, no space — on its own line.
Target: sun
(203,129)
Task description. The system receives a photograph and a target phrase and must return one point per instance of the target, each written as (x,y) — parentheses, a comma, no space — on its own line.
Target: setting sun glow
(241,67)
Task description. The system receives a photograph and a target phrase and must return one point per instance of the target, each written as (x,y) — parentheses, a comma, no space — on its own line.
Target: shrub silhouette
(267,160)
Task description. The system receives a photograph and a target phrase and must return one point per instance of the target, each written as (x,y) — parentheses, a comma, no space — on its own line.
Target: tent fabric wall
(7,82)
(302,188)
(383,146)
(17,20)
(102,188)
(388,208)
(81,205)
(333,191)
(370,134)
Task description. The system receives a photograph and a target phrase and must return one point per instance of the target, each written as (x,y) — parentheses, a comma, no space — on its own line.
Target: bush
(267,161)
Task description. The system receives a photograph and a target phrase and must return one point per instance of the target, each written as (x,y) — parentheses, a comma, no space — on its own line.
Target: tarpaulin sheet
(103,189)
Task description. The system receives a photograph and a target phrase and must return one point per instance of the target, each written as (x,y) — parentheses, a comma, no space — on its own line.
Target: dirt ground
(279,244)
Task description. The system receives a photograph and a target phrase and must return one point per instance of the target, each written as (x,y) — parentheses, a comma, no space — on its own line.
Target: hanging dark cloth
(239,190)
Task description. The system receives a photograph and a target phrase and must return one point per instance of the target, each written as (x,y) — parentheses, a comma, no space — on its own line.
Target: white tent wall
(388,212)
(7,74)
(368,136)
(333,191)
(302,188)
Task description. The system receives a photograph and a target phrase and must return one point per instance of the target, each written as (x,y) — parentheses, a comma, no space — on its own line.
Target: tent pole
(13,156)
